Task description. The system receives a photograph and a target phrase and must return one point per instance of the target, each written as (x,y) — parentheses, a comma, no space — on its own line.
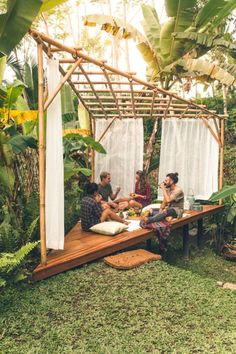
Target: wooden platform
(82,247)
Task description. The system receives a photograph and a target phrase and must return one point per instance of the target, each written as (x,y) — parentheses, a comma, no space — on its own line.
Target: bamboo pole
(41,157)
(222,128)
(93,126)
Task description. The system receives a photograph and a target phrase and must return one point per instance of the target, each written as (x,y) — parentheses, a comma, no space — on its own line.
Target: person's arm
(166,195)
(114,195)
(146,196)
(97,209)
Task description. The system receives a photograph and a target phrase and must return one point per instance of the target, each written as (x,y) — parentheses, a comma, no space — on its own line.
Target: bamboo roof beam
(139,115)
(111,88)
(92,87)
(97,73)
(104,83)
(170,110)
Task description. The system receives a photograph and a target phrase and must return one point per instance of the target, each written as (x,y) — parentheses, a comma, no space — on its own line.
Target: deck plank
(82,247)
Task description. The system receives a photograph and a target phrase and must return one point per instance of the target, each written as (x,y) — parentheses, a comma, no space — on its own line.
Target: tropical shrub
(12,264)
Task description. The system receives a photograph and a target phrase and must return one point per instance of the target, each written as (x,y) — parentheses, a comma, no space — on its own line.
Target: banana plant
(189,32)
(16,19)
(228,194)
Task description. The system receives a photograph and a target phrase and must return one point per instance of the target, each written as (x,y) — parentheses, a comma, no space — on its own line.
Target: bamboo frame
(160,103)
(222,128)
(41,157)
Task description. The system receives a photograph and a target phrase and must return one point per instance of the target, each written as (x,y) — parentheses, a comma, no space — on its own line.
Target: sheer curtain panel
(123,143)
(54,165)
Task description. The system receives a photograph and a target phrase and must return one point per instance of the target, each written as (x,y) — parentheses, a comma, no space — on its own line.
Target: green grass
(156,308)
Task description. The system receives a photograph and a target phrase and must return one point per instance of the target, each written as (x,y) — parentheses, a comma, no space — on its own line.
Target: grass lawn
(156,308)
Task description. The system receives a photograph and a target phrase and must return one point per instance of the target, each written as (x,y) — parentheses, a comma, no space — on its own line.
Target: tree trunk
(150,147)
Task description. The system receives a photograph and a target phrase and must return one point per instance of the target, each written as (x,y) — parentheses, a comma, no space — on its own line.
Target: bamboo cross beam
(91,85)
(217,127)
(111,89)
(65,78)
(76,91)
(132,96)
(167,108)
(211,130)
(152,105)
(185,111)
(103,134)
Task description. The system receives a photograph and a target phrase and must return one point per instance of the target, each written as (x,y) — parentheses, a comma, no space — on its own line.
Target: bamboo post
(222,128)
(41,156)
(93,125)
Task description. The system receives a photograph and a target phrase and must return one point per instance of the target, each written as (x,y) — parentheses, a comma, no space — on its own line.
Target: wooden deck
(82,247)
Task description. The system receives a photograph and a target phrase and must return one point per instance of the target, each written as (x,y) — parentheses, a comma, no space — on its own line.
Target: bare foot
(144,218)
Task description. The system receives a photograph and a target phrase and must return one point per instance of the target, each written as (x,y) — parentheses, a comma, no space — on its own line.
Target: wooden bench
(82,247)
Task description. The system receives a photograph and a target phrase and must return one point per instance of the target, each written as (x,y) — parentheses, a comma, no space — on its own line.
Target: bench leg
(199,232)
(149,244)
(185,242)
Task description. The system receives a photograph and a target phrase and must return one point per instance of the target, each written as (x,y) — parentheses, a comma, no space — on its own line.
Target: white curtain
(188,147)
(54,165)
(123,143)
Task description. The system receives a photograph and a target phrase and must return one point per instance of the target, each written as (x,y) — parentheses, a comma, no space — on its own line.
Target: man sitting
(91,210)
(173,202)
(105,189)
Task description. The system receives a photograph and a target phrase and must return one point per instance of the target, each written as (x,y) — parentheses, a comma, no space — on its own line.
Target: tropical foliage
(172,49)
(16,19)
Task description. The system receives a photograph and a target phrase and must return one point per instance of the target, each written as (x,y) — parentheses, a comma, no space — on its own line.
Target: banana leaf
(205,39)
(50,4)
(7,177)
(223,14)
(151,26)
(172,6)
(3,61)
(224,193)
(16,22)
(200,67)
(20,143)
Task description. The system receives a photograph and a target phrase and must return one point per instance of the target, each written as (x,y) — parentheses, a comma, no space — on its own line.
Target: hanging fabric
(123,143)
(54,164)
(188,147)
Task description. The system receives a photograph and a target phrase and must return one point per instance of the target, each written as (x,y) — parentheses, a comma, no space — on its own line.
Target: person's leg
(162,215)
(109,214)
(123,205)
(134,204)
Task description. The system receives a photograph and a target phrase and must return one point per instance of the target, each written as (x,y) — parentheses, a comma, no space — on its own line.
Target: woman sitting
(141,196)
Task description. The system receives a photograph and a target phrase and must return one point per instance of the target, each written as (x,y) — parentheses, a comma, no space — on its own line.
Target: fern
(11,264)
(31,230)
